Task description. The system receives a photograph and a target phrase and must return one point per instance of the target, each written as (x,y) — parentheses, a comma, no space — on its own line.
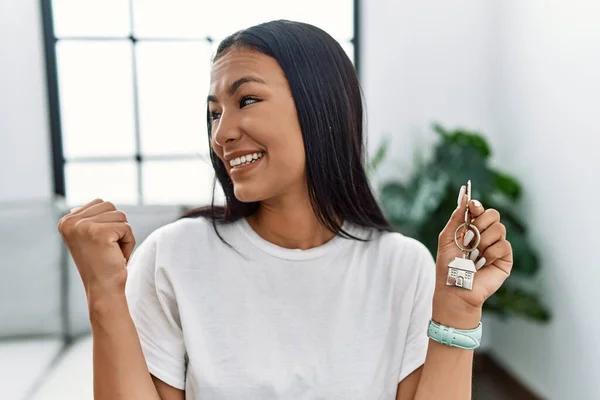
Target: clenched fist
(100,241)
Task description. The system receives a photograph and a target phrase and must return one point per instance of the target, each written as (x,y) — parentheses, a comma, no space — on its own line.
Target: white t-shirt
(343,321)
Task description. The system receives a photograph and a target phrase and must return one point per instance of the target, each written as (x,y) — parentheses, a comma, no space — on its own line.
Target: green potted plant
(420,208)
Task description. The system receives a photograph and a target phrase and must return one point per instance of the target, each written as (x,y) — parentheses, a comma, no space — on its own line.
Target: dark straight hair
(328,100)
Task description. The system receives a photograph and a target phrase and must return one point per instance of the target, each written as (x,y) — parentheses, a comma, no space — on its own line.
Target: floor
(492,382)
(485,387)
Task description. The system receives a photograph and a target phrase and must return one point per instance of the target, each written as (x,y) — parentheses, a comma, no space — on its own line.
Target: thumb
(457,218)
(127,244)
(123,235)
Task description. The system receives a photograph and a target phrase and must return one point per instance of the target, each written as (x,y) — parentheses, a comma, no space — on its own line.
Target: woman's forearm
(448,371)
(120,370)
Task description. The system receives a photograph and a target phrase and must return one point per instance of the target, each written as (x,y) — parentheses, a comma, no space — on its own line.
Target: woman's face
(255,129)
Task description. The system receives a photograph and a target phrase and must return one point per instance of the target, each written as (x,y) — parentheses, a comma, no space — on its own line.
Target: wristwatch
(467,339)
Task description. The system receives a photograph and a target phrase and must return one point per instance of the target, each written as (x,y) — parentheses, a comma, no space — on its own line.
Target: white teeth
(248,158)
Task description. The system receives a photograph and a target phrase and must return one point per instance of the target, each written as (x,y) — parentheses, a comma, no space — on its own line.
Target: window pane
(96,98)
(171,18)
(91,18)
(349,48)
(173,79)
(333,16)
(110,181)
(193,18)
(187,182)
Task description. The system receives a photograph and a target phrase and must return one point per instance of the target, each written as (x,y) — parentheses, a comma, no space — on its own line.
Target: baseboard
(485,364)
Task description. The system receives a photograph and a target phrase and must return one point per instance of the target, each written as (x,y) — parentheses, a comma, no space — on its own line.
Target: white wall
(527,74)
(25,157)
(546,98)
(424,61)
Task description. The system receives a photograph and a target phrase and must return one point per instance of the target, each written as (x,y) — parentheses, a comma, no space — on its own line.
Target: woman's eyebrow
(236,85)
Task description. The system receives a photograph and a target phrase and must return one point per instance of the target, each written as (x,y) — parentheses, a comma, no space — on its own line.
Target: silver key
(461,271)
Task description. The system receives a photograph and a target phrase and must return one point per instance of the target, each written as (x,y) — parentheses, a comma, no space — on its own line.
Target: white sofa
(45,342)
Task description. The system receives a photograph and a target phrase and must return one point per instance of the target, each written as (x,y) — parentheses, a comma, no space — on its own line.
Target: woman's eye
(214,115)
(244,99)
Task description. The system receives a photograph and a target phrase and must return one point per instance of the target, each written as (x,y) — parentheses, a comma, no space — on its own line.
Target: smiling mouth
(246,160)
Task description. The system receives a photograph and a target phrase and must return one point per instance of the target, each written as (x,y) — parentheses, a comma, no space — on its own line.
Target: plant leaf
(517,301)
(506,184)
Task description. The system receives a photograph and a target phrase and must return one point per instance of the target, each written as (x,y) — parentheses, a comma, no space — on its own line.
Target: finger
(127,248)
(480,263)
(476,211)
(491,235)
(461,196)
(111,216)
(495,274)
(127,242)
(99,208)
(458,217)
(487,219)
(79,210)
(122,233)
(499,253)
(474,255)
(476,208)
(491,253)
(482,223)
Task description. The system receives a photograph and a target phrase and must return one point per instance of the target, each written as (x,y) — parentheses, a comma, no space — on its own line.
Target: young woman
(297,288)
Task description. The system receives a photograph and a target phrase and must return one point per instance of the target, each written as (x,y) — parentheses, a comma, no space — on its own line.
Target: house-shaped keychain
(461,273)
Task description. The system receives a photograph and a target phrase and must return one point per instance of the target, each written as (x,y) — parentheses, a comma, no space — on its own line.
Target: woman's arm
(101,243)
(120,370)
(447,372)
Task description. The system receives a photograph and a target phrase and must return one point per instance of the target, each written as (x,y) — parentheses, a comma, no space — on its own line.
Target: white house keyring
(461,271)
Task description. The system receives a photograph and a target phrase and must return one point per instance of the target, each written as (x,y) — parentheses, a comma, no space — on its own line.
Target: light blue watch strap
(468,339)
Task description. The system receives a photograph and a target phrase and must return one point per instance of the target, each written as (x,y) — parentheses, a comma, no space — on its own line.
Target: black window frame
(58,159)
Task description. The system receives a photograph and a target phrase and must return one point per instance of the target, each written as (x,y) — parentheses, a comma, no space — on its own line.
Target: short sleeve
(417,340)
(155,314)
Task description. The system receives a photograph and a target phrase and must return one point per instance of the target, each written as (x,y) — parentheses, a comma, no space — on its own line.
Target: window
(128,82)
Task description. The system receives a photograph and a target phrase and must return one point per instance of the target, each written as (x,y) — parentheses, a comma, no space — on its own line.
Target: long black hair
(328,100)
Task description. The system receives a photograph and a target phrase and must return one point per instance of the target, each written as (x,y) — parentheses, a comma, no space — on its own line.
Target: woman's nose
(225,131)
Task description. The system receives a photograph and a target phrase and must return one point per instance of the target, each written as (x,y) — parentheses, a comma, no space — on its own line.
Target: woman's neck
(290,223)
